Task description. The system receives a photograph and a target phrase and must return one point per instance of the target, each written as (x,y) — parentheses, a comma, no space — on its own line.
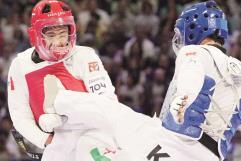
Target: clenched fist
(49,121)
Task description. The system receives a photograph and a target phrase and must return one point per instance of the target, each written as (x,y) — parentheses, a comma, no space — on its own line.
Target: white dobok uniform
(82,71)
(117,131)
(138,137)
(98,128)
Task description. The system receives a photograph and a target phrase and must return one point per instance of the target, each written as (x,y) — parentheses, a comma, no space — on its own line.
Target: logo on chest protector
(93,66)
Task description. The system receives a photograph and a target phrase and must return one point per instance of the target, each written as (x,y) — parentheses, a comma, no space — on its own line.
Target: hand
(177,108)
(48,122)
(49,140)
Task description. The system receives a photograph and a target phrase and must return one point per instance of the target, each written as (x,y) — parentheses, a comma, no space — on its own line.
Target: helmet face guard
(200,21)
(59,52)
(177,41)
(57,14)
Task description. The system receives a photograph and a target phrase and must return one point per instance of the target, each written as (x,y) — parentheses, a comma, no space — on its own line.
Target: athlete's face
(56,36)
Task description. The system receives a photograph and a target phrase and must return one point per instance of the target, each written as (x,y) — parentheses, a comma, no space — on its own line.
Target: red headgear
(51,13)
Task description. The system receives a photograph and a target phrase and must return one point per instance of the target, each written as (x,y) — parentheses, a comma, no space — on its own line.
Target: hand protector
(48,122)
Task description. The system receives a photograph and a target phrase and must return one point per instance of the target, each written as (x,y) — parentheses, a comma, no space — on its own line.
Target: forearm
(24,123)
(31,132)
(190,80)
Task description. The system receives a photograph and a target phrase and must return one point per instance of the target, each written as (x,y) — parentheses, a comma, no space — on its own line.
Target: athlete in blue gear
(203,100)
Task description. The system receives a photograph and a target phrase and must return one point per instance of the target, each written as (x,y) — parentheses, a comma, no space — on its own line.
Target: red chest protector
(35,82)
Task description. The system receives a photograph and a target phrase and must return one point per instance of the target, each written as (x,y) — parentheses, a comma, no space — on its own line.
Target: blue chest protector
(194,114)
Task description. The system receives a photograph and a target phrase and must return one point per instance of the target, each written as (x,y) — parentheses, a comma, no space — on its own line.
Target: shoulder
(83,48)
(186,50)
(198,51)
(23,57)
(84,53)
(194,53)
(214,50)
(189,51)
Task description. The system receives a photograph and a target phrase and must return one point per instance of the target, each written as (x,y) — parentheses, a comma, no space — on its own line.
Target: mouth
(54,47)
(60,49)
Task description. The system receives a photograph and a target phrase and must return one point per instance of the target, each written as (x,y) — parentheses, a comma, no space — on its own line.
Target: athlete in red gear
(54,52)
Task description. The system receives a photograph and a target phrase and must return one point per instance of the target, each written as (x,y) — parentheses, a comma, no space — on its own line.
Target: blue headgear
(200,21)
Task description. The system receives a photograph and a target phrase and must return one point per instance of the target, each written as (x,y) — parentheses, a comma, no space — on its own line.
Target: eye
(50,35)
(63,34)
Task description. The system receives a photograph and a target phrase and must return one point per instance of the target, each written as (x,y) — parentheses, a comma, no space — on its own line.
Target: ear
(31,35)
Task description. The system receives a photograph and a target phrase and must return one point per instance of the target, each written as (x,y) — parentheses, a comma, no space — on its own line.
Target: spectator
(1,42)
(92,11)
(147,18)
(123,18)
(4,155)
(4,9)
(144,45)
(158,90)
(236,49)
(8,26)
(130,93)
(235,9)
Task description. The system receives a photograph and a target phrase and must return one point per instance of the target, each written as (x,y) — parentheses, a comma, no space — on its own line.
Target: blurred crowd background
(133,39)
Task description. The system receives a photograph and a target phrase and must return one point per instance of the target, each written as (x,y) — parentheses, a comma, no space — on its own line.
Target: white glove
(177,108)
(48,122)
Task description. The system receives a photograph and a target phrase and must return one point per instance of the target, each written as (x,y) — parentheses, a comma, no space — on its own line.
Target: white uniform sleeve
(95,76)
(19,108)
(189,72)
